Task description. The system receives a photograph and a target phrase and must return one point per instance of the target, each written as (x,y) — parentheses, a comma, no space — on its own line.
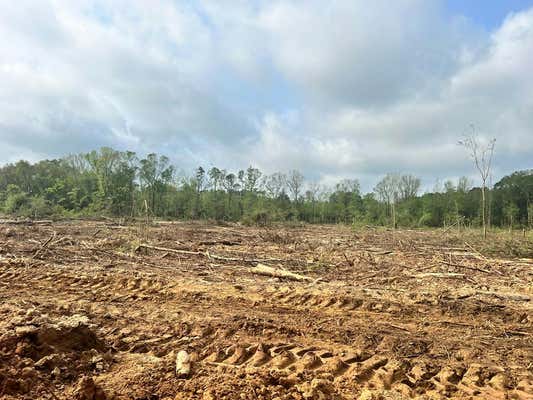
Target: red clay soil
(96,310)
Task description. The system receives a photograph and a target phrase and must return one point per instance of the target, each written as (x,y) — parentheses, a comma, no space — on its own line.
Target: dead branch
(43,246)
(266,270)
(459,295)
(378,251)
(222,242)
(477,253)
(438,275)
(166,249)
(469,267)
(209,255)
(505,296)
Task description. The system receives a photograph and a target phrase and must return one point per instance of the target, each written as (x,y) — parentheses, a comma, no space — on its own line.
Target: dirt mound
(38,353)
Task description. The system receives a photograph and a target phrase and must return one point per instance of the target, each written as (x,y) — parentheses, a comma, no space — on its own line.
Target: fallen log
(166,249)
(460,295)
(207,254)
(262,269)
(217,242)
(43,246)
(26,222)
(439,275)
(505,296)
(469,267)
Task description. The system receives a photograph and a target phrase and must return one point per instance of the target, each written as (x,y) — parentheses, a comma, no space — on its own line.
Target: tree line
(119,183)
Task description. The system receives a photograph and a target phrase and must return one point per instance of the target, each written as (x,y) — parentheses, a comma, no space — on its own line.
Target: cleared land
(88,312)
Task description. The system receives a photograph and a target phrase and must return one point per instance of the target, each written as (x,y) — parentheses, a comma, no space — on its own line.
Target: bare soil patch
(97,310)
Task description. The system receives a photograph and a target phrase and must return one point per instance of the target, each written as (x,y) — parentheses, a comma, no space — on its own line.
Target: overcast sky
(336,89)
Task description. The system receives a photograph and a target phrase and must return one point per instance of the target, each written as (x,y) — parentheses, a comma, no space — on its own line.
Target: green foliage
(115,183)
(17,202)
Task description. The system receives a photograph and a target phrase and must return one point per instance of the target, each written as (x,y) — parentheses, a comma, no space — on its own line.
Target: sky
(338,89)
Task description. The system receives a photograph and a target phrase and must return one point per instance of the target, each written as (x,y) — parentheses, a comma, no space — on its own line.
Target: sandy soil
(86,313)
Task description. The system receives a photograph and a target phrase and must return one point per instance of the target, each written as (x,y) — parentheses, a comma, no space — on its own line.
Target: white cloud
(387,86)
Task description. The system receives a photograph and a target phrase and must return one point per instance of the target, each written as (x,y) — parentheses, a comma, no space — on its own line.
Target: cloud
(419,134)
(339,89)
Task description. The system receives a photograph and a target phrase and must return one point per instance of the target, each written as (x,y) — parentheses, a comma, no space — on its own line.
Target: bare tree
(481,154)
(275,184)
(312,195)
(408,186)
(387,191)
(295,181)
(464,184)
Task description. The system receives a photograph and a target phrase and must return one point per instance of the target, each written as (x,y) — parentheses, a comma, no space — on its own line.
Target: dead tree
(481,155)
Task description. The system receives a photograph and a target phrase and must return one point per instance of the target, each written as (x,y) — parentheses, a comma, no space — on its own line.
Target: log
(26,222)
(207,254)
(262,269)
(505,296)
(459,295)
(168,250)
(469,267)
(217,242)
(43,246)
(439,275)
(183,364)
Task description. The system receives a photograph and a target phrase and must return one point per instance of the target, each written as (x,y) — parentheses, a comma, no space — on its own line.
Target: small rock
(25,330)
(49,362)
(28,372)
(208,395)
(88,390)
(183,364)
(317,389)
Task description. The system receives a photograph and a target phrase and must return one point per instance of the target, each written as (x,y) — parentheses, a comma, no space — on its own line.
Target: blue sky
(344,89)
(487,13)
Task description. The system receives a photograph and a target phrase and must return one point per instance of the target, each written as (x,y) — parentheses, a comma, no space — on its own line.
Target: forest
(120,184)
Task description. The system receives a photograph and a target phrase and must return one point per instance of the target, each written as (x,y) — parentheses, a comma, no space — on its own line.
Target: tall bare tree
(295,181)
(275,184)
(408,186)
(388,191)
(481,154)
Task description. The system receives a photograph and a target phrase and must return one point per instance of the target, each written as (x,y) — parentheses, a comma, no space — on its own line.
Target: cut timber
(43,246)
(262,269)
(26,222)
(469,267)
(463,294)
(439,275)
(505,296)
(207,254)
(183,364)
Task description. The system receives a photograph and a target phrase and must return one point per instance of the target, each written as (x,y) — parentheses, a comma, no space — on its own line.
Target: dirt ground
(88,312)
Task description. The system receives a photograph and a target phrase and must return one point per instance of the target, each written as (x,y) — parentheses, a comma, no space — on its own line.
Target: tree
(346,200)
(102,164)
(295,181)
(511,212)
(518,189)
(123,184)
(215,176)
(275,184)
(464,184)
(199,183)
(312,197)
(408,186)
(481,155)
(252,178)
(155,173)
(387,191)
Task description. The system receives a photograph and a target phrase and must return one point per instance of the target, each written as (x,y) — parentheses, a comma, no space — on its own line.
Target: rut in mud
(88,313)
